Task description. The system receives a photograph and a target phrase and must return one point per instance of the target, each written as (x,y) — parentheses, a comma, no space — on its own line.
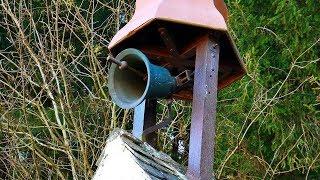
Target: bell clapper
(124,65)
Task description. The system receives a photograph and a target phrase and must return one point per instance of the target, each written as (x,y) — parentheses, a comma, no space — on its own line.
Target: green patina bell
(129,87)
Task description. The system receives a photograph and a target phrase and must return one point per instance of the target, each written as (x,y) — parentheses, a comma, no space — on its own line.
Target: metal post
(202,133)
(145,117)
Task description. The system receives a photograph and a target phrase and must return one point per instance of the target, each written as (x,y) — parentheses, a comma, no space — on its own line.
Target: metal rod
(168,41)
(202,132)
(124,65)
(115,61)
(167,121)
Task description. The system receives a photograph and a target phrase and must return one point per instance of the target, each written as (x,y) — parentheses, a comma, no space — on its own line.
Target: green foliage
(276,105)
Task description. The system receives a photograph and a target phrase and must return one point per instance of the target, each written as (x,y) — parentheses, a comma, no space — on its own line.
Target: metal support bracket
(202,132)
(144,124)
(144,118)
(162,124)
(184,78)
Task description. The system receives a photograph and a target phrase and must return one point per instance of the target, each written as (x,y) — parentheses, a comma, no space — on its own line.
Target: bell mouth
(127,88)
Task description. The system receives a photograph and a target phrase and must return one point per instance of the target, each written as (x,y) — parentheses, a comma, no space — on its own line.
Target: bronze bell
(167,32)
(139,80)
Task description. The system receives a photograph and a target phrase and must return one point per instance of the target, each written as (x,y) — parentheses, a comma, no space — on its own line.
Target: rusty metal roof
(200,13)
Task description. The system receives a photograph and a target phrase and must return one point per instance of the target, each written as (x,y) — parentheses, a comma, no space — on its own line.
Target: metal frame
(202,132)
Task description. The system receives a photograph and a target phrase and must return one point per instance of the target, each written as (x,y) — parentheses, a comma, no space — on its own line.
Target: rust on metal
(202,132)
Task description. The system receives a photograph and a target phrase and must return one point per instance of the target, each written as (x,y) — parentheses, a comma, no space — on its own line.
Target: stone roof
(127,158)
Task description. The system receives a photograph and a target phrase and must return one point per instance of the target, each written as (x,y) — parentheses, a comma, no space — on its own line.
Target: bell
(129,86)
(167,32)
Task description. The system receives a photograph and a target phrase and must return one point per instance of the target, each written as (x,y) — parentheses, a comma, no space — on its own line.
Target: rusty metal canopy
(186,21)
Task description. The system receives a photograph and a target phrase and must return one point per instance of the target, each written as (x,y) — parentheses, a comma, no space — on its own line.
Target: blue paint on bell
(128,89)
